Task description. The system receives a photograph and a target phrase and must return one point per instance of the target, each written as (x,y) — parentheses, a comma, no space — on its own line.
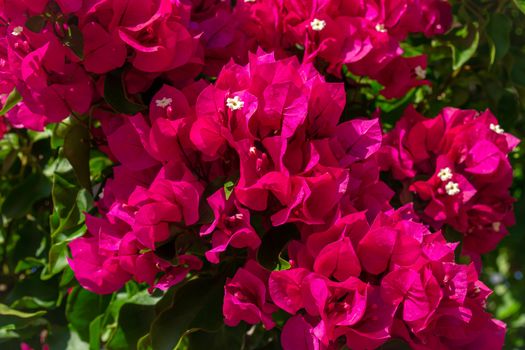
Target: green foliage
(12,99)
(116,96)
(479,64)
(273,243)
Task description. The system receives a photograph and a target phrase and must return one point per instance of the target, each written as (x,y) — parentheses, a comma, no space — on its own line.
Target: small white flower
(496,226)
(234,103)
(17,30)
(164,102)
(421,73)
(452,188)
(496,128)
(445,174)
(318,24)
(380,27)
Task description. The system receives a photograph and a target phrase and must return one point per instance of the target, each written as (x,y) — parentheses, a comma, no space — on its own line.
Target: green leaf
(144,343)
(520,4)
(518,71)
(22,197)
(15,319)
(273,243)
(76,150)
(283,265)
(82,307)
(36,23)
(135,327)
(95,331)
(74,40)
(68,203)
(124,309)
(13,99)
(7,311)
(196,305)
(66,222)
(464,45)
(57,260)
(498,30)
(228,189)
(115,95)
(27,302)
(224,338)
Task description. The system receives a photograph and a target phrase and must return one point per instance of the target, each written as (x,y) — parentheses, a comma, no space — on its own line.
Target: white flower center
(249,0)
(452,188)
(234,103)
(253,150)
(17,30)
(421,73)
(380,27)
(318,24)
(496,226)
(164,102)
(445,174)
(496,128)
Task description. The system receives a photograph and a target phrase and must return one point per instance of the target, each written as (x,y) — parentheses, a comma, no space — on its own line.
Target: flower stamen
(496,128)
(164,102)
(17,30)
(452,188)
(234,103)
(445,174)
(380,27)
(421,73)
(318,24)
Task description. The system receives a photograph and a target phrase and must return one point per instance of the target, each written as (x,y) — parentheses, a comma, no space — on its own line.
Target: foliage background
(479,64)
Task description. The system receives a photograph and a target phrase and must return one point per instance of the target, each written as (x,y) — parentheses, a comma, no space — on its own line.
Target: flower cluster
(237,138)
(363,284)
(56,54)
(271,127)
(362,35)
(457,166)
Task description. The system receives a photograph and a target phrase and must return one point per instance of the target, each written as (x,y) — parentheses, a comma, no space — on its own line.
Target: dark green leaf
(83,307)
(76,150)
(125,308)
(75,41)
(464,45)
(135,327)
(224,338)
(498,30)
(518,71)
(115,95)
(196,305)
(21,198)
(36,23)
(144,343)
(273,243)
